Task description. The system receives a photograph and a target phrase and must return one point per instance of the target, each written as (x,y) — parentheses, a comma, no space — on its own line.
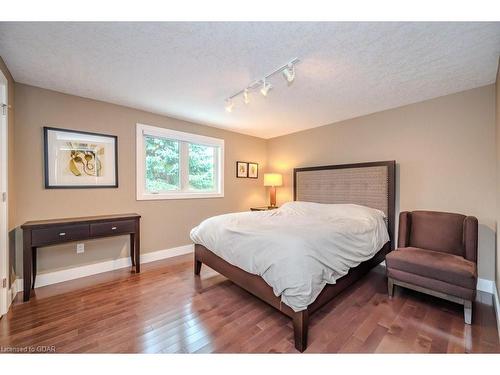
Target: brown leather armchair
(437,255)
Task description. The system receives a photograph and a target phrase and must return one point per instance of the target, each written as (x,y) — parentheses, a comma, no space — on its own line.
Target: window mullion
(216,152)
(184,166)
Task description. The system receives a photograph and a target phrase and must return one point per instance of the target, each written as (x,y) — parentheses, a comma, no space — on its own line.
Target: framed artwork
(253,170)
(241,169)
(76,159)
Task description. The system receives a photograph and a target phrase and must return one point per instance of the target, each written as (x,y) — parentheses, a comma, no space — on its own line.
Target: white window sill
(161,196)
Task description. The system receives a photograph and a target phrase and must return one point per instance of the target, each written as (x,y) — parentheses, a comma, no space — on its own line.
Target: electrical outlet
(80,248)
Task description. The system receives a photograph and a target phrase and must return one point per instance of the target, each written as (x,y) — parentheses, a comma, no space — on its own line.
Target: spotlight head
(246,97)
(229,105)
(266,87)
(289,73)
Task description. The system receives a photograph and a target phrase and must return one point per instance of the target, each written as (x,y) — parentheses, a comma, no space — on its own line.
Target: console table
(56,231)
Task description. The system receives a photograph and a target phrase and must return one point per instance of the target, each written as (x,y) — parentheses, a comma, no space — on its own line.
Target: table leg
(132,250)
(27,266)
(137,247)
(33,261)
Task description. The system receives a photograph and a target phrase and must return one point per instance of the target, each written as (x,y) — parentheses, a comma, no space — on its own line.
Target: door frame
(4,217)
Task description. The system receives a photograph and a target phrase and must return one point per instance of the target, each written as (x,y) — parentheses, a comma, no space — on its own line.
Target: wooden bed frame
(348,184)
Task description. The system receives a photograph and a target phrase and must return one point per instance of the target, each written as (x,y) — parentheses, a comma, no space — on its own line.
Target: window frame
(184,138)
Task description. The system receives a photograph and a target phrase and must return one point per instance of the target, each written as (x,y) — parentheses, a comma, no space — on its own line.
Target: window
(176,165)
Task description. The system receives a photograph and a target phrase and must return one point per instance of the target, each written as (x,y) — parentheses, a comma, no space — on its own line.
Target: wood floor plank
(165,309)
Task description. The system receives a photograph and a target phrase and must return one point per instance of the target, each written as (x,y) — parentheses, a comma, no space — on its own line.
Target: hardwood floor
(164,309)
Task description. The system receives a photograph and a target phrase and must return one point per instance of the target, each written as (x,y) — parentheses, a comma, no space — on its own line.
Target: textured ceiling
(186,70)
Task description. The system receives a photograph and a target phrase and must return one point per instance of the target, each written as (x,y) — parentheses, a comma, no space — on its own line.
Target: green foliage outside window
(163,165)
(201,167)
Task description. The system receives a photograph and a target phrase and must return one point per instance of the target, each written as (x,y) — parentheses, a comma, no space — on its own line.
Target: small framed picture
(76,159)
(253,170)
(241,169)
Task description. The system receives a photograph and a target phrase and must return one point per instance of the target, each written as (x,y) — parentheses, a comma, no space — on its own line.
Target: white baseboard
(496,303)
(167,253)
(487,286)
(19,286)
(50,278)
(16,287)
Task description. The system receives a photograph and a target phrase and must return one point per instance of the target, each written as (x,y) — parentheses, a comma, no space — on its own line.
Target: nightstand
(263,208)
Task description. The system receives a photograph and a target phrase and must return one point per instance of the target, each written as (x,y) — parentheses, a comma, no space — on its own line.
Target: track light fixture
(288,71)
(246,97)
(266,87)
(229,105)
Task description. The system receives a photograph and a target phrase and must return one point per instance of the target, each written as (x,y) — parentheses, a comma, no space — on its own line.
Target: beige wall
(444,147)
(497,106)
(165,224)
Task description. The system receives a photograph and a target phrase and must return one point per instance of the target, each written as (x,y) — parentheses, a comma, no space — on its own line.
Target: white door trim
(4,227)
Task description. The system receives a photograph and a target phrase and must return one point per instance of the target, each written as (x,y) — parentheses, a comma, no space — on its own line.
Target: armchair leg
(390,287)
(468,312)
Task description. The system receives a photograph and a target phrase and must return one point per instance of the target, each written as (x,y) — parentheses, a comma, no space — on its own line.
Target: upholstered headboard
(368,184)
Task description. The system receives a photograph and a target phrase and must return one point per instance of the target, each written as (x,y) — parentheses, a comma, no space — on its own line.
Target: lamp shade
(273,179)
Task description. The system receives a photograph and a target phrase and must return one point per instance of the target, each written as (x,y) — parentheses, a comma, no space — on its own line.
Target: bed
(358,189)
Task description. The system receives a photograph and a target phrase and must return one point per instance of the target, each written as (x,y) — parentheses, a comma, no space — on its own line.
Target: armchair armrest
(470,238)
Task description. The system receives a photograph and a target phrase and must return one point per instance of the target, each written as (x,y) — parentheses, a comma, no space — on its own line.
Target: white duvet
(298,248)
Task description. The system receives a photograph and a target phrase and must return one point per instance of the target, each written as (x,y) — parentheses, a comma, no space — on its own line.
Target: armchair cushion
(438,231)
(436,265)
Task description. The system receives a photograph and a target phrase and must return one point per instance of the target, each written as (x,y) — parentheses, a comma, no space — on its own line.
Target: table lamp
(273,180)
